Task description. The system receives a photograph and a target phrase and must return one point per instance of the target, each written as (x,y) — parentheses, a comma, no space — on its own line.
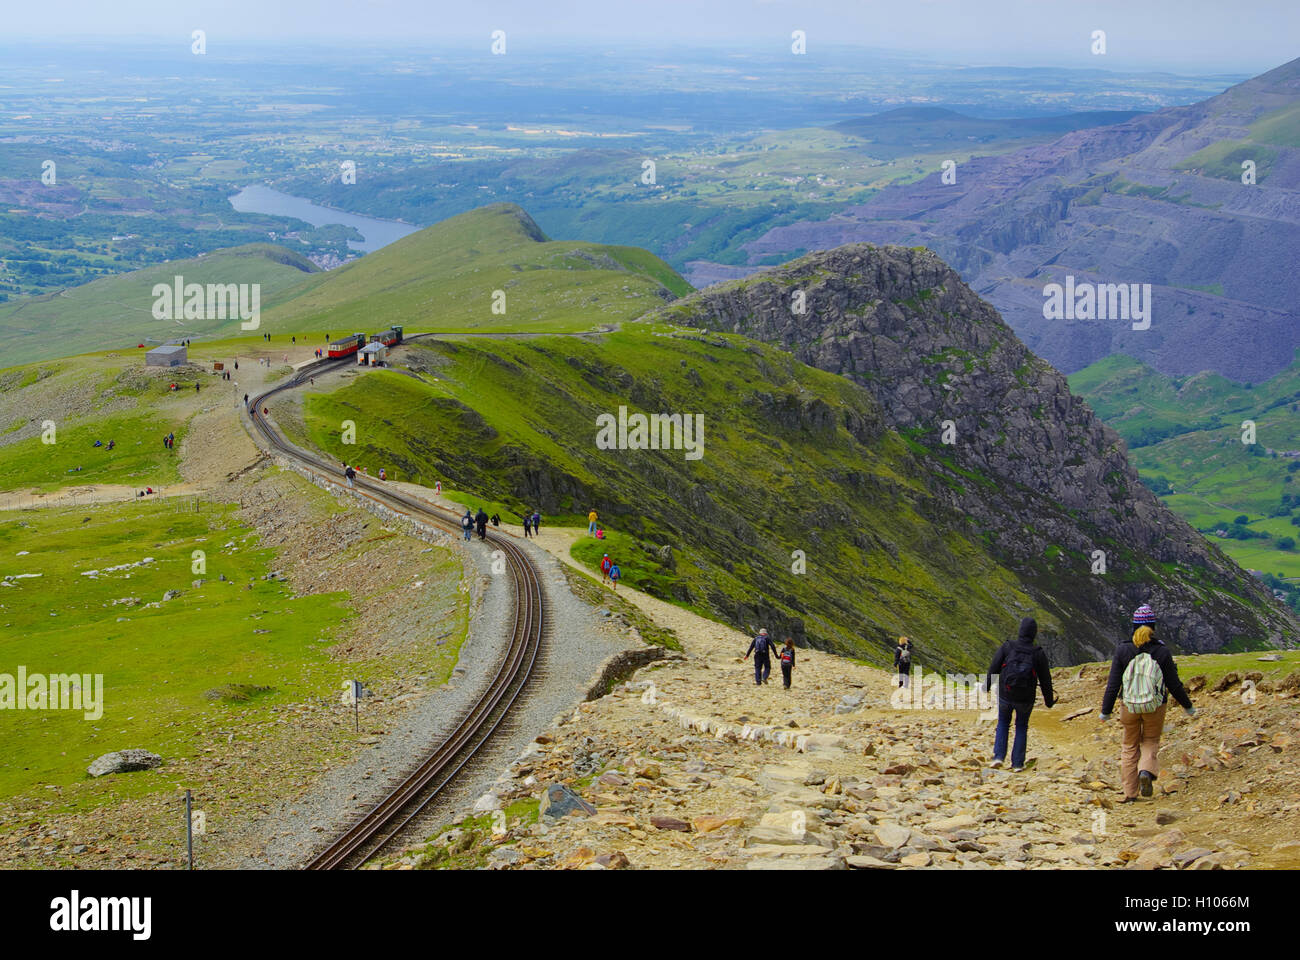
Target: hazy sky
(1203,36)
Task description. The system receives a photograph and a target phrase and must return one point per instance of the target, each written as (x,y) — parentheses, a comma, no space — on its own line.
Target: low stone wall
(620,666)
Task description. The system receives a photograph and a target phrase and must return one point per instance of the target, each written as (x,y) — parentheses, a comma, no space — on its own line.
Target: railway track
(413,793)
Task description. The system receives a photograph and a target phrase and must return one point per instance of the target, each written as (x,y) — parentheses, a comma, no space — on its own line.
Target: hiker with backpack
(787,663)
(903,662)
(761,648)
(615,575)
(1020,666)
(1144,672)
(351,475)
(605,564)
(481,521)
(467,524)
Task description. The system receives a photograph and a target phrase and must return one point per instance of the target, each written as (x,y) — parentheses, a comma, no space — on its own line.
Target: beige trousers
(1140,747)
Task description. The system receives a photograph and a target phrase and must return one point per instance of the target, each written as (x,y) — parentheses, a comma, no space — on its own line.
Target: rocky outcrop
(1028,464)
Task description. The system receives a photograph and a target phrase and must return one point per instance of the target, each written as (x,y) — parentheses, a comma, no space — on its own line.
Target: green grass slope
(158,659)
(796,466)
(117,312)
(444,277)
(1185,438)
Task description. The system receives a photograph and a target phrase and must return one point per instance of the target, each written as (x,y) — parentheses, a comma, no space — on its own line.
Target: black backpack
(1019,679)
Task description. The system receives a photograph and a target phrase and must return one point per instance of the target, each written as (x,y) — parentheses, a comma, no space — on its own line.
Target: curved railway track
(391,815)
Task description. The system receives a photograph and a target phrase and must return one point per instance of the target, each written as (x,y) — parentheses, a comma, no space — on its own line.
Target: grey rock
(124,761)
(559,800)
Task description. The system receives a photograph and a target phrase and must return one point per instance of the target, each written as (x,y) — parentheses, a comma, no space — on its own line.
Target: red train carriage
(388,337)
(348,345)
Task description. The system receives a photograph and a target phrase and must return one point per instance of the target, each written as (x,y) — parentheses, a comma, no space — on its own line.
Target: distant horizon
(467,51)
(1182,36)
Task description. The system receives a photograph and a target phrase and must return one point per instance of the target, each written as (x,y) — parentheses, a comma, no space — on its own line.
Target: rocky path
(691,765)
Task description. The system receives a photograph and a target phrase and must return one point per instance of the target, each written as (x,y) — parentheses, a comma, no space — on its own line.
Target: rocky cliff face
(1035,472)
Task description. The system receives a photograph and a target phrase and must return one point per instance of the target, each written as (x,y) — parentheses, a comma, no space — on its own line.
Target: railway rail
(375,829)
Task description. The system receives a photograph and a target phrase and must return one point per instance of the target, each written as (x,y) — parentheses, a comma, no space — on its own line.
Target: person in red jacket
(605,564)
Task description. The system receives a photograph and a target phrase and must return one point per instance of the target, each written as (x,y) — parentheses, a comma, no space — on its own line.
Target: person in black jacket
(1020,666)
(903,661)
(1139,760)
(481,520)
(761,648)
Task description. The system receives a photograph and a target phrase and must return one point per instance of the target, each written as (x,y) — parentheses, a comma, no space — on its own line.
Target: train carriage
(347,346)
(389,337)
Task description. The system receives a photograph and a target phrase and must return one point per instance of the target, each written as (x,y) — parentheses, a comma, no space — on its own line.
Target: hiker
(787,662)
(615,575)
(196,388)
(437,488)
(600,533)
(528,523)
(591,523)
(98,443)
(1144,671)
(467,524)
(537,522)
(481,521)
(245,400)
(1020,666)
(350,474)
(605,564)
(236,364)
(383,475)
(496,519)
(903,662)
(112,444)
(761,648)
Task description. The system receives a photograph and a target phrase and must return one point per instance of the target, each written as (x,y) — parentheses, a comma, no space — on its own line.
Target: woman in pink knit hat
(1143,669)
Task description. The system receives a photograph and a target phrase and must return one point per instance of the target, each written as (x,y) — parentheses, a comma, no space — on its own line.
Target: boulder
(124,761)
(559,800)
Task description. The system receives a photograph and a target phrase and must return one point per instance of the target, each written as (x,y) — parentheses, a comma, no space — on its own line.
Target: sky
(1195,36)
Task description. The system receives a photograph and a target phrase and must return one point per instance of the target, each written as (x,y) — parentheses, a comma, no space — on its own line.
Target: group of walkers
(1143,675)
(610,572)
(169,441)
(763,649)
(472,522)
(532,523)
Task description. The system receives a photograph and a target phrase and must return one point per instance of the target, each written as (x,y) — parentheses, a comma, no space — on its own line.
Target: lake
(377,233)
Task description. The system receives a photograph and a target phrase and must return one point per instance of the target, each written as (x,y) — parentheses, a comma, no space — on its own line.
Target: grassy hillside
(444,277)
(794,459)
(1185,438)
(158,659)
(117,312)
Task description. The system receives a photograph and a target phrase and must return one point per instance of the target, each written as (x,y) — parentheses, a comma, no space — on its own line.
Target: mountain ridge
(1154,199)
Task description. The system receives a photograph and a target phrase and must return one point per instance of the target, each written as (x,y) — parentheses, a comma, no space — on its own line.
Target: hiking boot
(1144,782)
(996,764)
(1017,769)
